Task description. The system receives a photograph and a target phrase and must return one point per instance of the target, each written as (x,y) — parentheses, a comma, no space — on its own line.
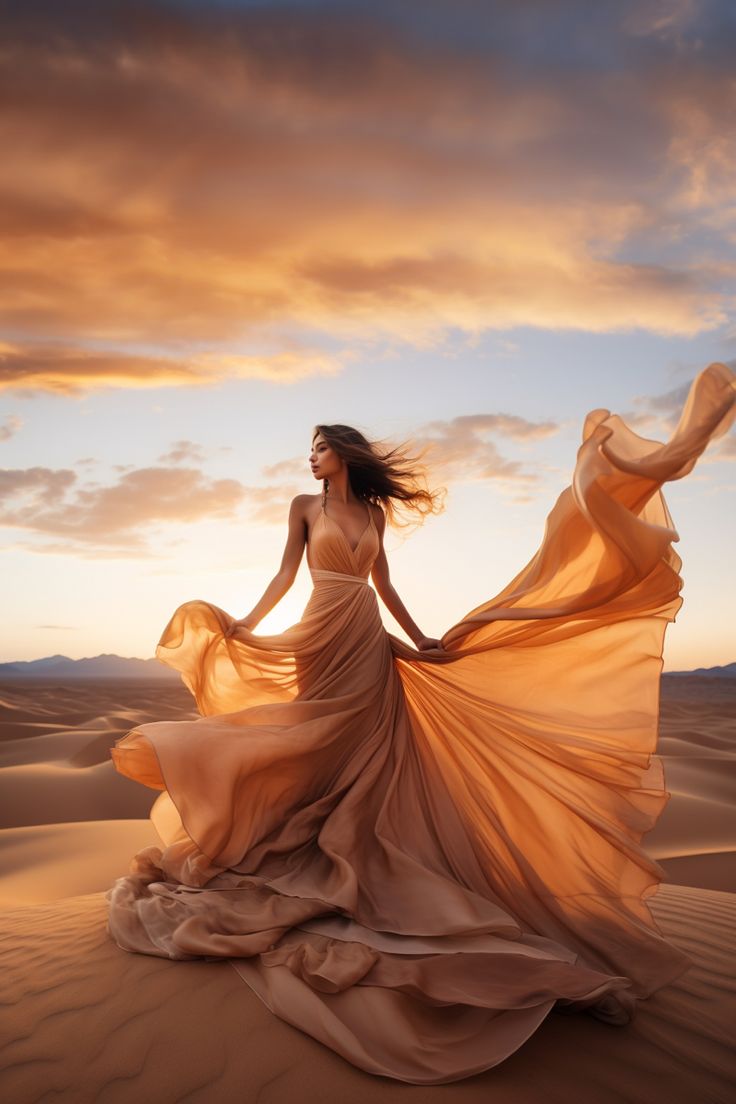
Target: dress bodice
(328,548)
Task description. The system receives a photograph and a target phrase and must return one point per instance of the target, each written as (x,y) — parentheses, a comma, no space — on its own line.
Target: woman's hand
(243,623)
(428,643)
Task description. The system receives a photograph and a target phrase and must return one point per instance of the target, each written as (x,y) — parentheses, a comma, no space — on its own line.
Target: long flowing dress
(414,857)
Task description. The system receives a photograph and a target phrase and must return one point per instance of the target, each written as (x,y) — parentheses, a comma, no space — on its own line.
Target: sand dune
(54,748)
(47,793)
(45,862)
(90,1022)
(695,838)
(35,707)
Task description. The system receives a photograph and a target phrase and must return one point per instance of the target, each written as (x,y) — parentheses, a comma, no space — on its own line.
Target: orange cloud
(51,503)
(342,176)
(181,452)
(666,19)
(460,450)
(28,369)
(726,451)
(660,411)
(11,427)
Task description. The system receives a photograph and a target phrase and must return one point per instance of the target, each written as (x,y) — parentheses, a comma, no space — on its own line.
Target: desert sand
(83,1020)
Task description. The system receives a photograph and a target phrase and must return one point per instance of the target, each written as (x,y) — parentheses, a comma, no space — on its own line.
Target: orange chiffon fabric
(414,857)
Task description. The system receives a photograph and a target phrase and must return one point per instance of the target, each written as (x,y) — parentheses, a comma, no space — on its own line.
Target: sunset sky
(454,223)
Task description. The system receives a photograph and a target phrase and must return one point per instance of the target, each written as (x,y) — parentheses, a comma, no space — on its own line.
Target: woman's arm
(284,577)
(390,597)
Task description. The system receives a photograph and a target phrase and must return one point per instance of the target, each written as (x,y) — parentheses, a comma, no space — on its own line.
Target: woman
(414,854)
(356,474)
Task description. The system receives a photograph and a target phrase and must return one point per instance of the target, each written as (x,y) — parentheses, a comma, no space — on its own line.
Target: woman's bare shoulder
(305,507)
(304,503)
(377,510)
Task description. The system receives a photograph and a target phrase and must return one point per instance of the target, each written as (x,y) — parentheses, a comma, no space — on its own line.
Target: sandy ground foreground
(81,1020)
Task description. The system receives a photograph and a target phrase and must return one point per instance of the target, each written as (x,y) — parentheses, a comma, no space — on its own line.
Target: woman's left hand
(428,643)
(241,623)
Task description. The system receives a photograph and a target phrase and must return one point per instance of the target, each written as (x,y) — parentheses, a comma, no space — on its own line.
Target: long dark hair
(385,474)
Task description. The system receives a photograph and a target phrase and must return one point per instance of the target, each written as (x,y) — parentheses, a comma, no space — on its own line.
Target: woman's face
(323,459)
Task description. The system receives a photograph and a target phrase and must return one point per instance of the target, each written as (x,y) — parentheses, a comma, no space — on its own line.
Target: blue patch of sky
(532,32)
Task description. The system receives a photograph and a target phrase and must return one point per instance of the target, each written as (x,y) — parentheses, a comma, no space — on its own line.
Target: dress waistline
(319,575)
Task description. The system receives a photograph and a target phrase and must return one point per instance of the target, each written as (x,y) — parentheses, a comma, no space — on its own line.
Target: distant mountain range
(729,671)
(101,666)
(114,666)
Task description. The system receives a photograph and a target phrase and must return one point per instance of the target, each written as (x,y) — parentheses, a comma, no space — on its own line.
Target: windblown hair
(385,474)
